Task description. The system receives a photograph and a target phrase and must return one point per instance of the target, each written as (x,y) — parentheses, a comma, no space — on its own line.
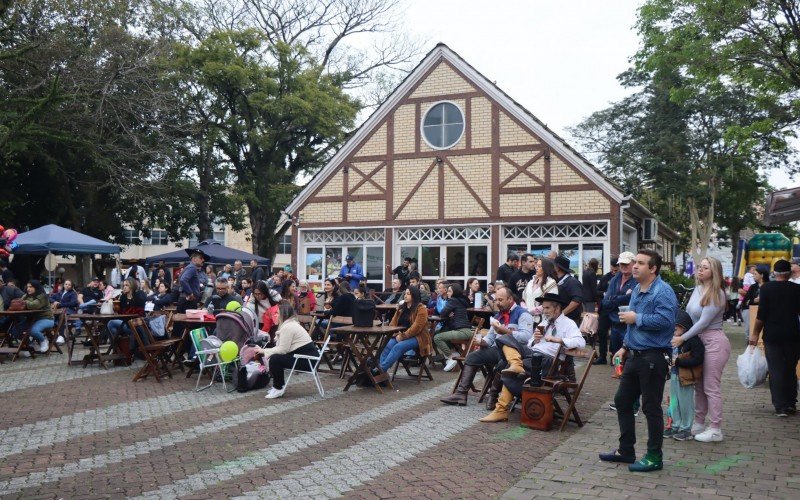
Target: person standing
(505,271)
(402,271)
(351,272)
(520,278)
(590,285)
(795,272)
(751,299)
(256,272)
(619,295)
(603,321)
(706,307)
(646,345)
(778,308)
(569,289)
(189,286)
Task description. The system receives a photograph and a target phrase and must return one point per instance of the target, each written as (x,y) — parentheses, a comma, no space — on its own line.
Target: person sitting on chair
(539,353)
(456,324)
(292,339)
(413,316)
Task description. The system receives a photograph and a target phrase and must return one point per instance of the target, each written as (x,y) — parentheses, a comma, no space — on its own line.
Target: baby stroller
(238,327)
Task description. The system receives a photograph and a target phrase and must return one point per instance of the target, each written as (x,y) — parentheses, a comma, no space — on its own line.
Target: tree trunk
(701,230)
(204,227)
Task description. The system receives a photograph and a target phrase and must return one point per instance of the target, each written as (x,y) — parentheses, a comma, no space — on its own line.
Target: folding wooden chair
(335,347)
(420,361)
(52,333)
(156,353)
(563,383)
(464,347)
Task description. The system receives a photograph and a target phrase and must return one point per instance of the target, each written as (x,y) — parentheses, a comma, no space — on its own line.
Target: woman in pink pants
(707,307)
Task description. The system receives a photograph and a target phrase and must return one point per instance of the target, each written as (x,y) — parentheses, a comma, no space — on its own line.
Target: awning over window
(782,206)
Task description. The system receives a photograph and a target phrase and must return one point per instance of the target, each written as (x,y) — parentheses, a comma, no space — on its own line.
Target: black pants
(280,362)
(643,375)
(484,356)
(603,327)
(782,357)
(514,383)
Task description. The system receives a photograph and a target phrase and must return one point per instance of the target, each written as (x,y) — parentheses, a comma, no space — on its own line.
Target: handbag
(589,324)
(107,307)
(17,305)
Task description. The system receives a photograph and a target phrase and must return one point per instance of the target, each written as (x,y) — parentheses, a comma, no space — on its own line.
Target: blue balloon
(13,245)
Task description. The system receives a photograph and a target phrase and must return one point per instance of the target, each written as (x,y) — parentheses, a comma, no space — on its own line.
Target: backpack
(363,312)
(251,376)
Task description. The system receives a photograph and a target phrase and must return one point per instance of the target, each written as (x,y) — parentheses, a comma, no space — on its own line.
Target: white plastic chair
(314,362)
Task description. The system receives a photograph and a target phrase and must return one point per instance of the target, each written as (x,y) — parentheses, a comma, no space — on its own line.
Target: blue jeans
(394,350)
(617,336)
(87,307)
(36,329)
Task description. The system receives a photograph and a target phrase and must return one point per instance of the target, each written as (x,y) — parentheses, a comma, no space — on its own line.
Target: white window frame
(463,125)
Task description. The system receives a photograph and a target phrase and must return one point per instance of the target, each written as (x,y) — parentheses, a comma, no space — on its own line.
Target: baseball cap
(349,257)
(625,258)
(796,261)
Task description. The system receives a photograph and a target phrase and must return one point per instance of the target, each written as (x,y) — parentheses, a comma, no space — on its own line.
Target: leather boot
(494,390)
(459,397)
(500,412)
(514,359)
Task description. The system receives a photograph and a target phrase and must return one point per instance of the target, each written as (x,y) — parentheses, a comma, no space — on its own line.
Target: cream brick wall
(512,134)
(367,187)
(579,202)
(461,144)
(442,80)
(561,174)
(366,211)
(240,240)
(322,212)
(376,145)
(424,204)
(515,205)
(406,175)
(481,122)
(333,186)
(405,129)
(458,201)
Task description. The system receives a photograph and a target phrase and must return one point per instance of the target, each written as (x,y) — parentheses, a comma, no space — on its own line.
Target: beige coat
(291,337)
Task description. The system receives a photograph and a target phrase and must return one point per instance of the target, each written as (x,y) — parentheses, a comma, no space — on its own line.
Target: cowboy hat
(552,297)
(563,263)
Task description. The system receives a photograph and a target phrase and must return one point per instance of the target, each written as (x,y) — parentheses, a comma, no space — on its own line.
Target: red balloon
(3,252)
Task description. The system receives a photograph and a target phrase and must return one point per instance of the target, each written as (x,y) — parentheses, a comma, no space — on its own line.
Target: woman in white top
(706,307)
(545,281)
(292,339)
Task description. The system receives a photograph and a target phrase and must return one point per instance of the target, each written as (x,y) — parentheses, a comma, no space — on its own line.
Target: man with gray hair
(795,273)
(223,295)
(778,308)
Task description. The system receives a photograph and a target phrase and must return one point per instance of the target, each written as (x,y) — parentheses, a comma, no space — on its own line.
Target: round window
(443,125)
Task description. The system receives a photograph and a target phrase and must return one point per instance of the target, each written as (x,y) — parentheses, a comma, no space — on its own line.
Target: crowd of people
(537,304)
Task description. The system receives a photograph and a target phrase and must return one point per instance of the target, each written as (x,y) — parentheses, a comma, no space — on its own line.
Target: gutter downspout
(625,203)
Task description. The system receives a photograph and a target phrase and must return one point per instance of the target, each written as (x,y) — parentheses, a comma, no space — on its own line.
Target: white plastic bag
(752,367)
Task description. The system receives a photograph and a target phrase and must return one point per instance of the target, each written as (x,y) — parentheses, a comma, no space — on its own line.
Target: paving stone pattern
(70,432)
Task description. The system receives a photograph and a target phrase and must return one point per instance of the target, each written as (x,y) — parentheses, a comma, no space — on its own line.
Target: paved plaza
(70,432)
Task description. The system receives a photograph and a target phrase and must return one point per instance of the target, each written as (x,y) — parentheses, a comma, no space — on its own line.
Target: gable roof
(510,106)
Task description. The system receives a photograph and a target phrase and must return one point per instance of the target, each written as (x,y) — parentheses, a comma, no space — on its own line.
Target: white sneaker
(710,435)
(697,428)
(451,363)
(25,354)
(275,393)
(44,346)
(60,340)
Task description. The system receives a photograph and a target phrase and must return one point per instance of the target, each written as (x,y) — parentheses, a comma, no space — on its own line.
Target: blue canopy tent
(62,241)
(217,254)
(57,240)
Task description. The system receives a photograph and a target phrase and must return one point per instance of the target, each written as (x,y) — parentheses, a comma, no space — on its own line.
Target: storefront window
(374,264)
(314,264)
(333,261)
(572,252)
(429,263)
(593,251)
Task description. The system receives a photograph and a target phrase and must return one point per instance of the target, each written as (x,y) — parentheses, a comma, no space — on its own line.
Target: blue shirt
(355,272)
(655,317)
(190,281)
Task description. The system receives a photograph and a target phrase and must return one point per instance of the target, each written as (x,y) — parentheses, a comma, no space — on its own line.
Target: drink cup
(624,309)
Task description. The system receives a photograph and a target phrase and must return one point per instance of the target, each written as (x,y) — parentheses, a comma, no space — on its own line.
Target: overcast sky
(559,59)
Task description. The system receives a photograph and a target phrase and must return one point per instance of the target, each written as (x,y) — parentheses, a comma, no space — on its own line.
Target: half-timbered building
(451,171)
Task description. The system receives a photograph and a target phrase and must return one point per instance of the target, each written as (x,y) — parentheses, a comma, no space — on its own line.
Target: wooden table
(24,342)
(189,322)
(368,342)
(481,311)
(95,323)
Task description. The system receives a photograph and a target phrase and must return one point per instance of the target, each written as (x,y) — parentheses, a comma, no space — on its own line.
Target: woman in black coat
(590,285)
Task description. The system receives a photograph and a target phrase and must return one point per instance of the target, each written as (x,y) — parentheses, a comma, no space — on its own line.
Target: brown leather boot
(514,359)
(459,396)
(494,390)
(501,411)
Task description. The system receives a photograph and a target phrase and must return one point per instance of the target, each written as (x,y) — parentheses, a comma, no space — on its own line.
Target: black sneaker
(791,410)
(781,413)
(600,361)
(669,432)
(615,456)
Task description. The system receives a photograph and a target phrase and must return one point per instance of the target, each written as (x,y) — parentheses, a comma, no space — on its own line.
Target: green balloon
(233,306)
(228,351)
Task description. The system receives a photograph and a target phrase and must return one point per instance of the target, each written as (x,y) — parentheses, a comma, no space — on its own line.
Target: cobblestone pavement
(70,432)
(759,457)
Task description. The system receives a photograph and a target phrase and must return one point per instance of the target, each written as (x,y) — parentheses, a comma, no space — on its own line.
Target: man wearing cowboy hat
(569,289)
(189,282)
(538,353)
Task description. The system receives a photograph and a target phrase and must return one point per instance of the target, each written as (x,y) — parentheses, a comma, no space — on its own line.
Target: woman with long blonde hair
(706,308)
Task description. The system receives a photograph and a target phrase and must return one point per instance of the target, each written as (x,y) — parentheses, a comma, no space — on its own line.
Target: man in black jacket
(569,289)
(603,321)
(256,273)
(778,308)
(402,272)
(519,280)
(505,271)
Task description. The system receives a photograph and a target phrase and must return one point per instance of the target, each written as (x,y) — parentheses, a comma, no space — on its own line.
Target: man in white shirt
(539,353)
(795,276)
